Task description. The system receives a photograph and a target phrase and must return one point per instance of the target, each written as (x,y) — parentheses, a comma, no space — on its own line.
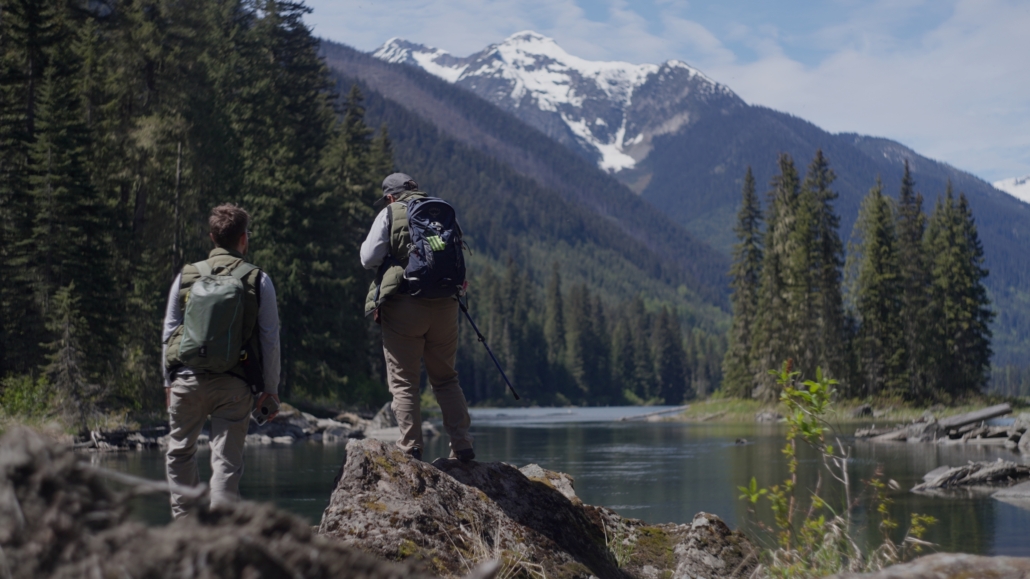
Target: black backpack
(436,265)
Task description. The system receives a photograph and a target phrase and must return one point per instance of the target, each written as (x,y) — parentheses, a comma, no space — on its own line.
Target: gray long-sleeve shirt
(267,329)
(376,246)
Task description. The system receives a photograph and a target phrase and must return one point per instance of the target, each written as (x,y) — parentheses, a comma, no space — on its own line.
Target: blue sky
(949,78)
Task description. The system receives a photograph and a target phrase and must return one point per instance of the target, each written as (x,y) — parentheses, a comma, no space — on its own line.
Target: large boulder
(449,516)
(951,566)
(60,519)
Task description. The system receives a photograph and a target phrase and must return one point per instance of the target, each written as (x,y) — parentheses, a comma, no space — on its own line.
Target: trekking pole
(492,357)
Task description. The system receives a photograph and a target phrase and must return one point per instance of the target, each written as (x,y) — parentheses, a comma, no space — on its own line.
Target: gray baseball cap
(395,184)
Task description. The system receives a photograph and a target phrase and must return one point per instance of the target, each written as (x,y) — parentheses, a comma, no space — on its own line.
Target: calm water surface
(659,472)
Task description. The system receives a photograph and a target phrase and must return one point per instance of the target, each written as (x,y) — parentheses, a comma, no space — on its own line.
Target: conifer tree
(911,229)
(830,340)
(623,358)
(66,369)
(745,276)
(579,336)
(640,325)
(882,358)
(670,366)
(773,333)
(960,308)
(800,277)
(554,323)
(27,31)
(601,348)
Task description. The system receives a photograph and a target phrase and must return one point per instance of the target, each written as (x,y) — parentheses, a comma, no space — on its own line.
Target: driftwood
(968,428)
(976,416)
(998,473)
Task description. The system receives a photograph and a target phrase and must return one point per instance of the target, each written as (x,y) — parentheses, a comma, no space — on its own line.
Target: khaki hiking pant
(417,330)
(228,401)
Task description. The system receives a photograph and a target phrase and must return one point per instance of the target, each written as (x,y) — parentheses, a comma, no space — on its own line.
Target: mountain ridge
(585,105)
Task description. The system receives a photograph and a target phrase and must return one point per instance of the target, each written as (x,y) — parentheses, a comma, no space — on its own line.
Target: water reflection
(658,472)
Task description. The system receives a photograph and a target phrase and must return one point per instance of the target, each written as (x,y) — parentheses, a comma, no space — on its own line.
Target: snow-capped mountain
(1018,187)
(608,111)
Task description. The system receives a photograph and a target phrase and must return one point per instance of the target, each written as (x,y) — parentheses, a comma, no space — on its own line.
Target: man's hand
(265,396)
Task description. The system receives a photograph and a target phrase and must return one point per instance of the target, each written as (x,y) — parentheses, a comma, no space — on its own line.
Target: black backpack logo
(436,265)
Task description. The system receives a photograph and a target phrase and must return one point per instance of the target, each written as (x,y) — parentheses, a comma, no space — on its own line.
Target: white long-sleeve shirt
(267,328)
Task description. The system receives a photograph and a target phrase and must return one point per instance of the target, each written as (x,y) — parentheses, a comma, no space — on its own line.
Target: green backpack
(212,325)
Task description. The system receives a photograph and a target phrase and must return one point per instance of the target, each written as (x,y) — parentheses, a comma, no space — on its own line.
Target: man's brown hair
(228,223)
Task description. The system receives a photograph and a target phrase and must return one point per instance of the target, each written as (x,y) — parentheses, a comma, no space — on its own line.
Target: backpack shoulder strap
(242,270)
(203,267)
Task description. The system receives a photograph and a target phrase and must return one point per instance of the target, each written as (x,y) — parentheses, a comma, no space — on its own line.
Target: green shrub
(25,397)
(812,538)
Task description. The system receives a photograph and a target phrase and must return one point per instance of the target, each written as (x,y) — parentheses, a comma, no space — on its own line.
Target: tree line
(121,125)
(905,315)
(569,346)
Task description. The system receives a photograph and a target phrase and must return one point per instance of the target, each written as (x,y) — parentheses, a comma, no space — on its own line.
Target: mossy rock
(653,547)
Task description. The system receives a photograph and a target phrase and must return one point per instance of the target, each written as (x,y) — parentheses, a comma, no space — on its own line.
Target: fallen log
(998,473)
(976,416)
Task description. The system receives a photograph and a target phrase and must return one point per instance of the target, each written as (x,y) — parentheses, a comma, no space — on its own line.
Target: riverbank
(734,410)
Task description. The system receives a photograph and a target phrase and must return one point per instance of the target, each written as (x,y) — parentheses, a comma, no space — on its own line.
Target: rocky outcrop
(58,519)
(450,515)
(952,566)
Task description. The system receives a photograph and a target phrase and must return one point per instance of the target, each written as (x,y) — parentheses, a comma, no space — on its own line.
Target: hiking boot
(465,455)
(415,453)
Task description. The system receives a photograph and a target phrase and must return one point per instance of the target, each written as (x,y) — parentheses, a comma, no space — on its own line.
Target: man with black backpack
(415,246)
(221,347)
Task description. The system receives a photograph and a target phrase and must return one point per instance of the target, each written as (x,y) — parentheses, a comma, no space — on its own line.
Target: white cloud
(959,95)
(949,79)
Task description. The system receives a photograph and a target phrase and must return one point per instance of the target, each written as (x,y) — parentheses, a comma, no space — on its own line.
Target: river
(656,471)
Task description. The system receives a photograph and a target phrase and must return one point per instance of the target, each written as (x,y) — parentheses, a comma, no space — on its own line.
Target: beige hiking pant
(228,401)
(417,330)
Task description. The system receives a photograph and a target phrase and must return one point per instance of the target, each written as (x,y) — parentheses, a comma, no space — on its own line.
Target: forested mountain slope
(697,175)
(541,190)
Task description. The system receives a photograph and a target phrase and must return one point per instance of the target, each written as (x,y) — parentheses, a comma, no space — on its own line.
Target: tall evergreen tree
(554,322)
(882,358)
(640,325)
(773,333)
(800,283)
(745,277)
(601,348)
(831,342)
(28,31)
(911,229)
(960,308)
(579,337)
(670,365)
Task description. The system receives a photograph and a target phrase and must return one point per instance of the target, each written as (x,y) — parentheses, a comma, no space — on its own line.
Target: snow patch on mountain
(1018,187)
(591,98)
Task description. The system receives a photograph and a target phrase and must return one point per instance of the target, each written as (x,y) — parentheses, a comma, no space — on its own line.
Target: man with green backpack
(221,347)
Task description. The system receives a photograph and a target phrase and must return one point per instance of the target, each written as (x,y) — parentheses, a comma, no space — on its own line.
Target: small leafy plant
(812,538)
